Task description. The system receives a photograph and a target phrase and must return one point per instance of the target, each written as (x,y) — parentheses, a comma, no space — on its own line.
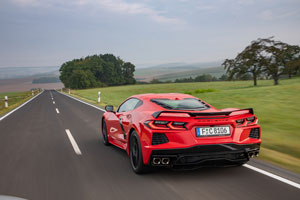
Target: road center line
(57,110)
(53,102)
(272,176)
(73,142)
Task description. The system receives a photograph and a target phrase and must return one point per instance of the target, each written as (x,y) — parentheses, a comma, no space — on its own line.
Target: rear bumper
(224,154)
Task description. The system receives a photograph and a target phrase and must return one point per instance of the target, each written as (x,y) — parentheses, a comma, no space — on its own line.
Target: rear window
(183,104)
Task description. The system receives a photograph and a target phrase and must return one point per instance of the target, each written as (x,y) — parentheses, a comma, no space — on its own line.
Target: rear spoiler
(194,114)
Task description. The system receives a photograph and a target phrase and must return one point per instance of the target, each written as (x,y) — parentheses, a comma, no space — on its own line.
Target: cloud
(266,15)
(26,2)
(117,6)
(121,6)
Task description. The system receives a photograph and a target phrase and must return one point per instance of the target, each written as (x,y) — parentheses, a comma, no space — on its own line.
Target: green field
(277,107)
(14,100)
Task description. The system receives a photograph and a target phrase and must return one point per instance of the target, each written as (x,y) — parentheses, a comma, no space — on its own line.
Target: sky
(144,32)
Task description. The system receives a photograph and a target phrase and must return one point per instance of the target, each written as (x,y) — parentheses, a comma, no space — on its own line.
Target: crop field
(277,107)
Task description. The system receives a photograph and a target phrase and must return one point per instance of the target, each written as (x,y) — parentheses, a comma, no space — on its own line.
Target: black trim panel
(200,154)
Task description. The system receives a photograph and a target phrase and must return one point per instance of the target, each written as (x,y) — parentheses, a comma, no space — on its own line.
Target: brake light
(246,121)
(239,112)
(174,115)
(165,125)
(250,120)
(240,121)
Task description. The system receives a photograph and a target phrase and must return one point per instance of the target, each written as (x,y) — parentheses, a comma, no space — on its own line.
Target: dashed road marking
(57,110)
(73,142)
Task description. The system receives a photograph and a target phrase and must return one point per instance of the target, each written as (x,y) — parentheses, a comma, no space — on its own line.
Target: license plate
(213,131)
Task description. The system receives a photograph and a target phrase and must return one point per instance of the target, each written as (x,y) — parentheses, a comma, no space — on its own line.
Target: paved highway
(51,148)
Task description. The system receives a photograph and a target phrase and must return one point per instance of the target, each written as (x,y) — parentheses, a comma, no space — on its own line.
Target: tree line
(199,78)
(96,71)
(266,58)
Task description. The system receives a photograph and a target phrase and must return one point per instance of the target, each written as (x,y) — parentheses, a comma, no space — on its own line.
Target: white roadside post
(99,98)
(32,92)
(6,101)
(69,91)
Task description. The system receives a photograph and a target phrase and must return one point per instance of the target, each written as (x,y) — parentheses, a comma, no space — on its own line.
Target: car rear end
(201,138)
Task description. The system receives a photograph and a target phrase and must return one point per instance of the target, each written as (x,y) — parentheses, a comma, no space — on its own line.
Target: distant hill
(25,78)
(173,71)
(21,72)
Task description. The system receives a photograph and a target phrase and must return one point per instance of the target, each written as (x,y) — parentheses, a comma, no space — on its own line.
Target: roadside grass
(277,107)
(14,100)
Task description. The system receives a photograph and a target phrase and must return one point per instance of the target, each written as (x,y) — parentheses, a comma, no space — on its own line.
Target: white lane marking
(73,142)
(53,102)
(83,102)
(57,110)
(273,176)
(17,108)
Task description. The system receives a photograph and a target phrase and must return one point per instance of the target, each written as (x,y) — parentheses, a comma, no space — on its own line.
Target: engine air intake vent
(159,138)
(254,133)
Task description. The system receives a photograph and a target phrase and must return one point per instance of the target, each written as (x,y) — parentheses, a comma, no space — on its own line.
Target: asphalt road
(38,162)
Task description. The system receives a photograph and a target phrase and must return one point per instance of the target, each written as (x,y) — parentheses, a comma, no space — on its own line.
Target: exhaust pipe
(251,155)
(165,161)
(156,161)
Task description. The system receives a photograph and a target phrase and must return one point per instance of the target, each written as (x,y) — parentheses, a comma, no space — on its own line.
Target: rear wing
(194,114)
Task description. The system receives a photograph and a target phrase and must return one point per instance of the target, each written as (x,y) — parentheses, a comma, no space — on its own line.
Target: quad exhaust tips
(165,161)
(251,154)
(156,161)
(161,161)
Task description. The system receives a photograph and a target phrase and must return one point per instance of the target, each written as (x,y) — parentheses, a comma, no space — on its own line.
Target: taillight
(240,121)
(249,120)
(159,125)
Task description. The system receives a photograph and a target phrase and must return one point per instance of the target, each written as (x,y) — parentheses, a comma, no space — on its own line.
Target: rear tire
(104,133)
(135,154)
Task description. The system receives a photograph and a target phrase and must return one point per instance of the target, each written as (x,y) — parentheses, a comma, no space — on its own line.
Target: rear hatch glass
(182,104)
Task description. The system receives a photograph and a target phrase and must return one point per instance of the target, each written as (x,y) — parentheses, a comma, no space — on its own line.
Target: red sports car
(179,130)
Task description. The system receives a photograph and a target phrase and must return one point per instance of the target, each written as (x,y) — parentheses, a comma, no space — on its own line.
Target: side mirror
(109,108)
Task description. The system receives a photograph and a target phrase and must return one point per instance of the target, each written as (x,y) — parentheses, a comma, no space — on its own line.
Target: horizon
(137,67)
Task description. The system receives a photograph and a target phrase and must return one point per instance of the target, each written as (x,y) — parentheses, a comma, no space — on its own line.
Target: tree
(154,81)
(224,77)
(82,79)
(205,78)
(264,56)
(97,71)
(279,58)
(294,67)
(292,59)
(250,60)
(128,73)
